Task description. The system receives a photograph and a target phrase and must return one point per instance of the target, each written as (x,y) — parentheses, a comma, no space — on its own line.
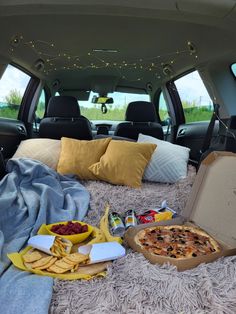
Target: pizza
(179,242)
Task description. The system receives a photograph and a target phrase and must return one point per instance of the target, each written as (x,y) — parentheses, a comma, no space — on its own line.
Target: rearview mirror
(102,100)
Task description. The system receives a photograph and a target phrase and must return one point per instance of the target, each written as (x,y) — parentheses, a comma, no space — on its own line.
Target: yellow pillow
(123,163)
(77,155)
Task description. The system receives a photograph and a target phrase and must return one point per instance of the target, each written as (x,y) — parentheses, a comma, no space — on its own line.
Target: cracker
(50,263)
(64,265)
(56,269)
(69,262)
(76,258)
(32,256)
(43,261)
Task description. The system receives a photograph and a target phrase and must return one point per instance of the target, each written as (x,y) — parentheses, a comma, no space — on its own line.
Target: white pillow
(168,163)
(42,149)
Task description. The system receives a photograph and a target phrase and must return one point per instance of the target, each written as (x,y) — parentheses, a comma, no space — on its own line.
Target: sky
(13,79)
(190,88)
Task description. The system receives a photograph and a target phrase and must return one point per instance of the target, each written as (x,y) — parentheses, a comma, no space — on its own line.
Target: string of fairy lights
(50,59)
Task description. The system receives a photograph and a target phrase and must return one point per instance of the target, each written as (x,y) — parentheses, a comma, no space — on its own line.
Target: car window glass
(41,106)
(233,67)
(12,87)
(196,102)
(115,112)
(163,110)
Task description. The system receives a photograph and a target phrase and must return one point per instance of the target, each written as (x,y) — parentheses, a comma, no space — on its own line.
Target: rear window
(116,111)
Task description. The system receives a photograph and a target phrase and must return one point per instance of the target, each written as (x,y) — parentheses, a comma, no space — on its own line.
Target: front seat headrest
(63,106)
(141,111)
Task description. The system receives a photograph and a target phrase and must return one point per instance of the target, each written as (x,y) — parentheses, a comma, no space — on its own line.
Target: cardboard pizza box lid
(212,201)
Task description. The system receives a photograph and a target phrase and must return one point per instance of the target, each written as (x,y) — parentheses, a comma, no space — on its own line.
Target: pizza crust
(142,235)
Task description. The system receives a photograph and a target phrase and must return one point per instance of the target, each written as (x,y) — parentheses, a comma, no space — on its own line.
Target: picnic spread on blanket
(44,231)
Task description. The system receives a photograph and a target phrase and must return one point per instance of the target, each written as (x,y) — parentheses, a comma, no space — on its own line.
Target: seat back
(63,118)
(141,118)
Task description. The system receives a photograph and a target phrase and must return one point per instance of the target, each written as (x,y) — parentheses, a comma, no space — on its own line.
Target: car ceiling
(153,41)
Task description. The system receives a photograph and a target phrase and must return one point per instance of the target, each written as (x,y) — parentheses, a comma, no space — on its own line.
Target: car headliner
(154,40)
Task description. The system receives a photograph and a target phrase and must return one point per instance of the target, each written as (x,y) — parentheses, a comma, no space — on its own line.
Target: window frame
(47,97)
(156,102)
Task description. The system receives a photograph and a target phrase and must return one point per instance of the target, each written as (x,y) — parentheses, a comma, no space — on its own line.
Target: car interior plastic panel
(64,119)
(141,118)
(12,132)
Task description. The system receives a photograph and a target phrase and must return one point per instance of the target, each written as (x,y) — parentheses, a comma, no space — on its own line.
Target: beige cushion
(42,149)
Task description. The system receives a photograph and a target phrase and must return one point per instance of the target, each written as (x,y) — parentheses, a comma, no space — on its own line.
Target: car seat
(63,118)
(141,117)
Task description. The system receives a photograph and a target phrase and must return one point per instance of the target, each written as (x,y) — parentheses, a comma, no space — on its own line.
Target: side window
(196,102)
(163,110)
(41,106)
(12,88)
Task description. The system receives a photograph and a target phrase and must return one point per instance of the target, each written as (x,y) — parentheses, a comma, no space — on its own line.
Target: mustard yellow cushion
(123,163)
(77,155)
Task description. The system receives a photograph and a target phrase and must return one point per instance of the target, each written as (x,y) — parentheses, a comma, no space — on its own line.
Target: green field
(9,112)
(116,114)
(192,113)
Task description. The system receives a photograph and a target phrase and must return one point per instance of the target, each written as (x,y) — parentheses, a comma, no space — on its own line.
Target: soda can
(117,225)
(130,219)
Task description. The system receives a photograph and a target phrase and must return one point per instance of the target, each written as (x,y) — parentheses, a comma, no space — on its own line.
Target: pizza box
(211,206)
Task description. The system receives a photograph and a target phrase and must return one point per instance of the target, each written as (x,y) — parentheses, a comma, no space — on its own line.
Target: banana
(98,236)
(104,226)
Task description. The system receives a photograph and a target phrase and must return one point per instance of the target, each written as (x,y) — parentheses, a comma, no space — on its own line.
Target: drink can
(117,225)
(130,219)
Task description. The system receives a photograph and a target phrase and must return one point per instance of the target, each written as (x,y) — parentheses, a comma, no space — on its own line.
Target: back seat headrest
(141,111)
(63,106)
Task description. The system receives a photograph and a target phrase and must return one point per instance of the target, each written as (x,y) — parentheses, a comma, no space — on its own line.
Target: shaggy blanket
(133,285)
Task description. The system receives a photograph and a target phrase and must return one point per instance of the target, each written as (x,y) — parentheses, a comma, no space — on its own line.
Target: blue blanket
(32,194)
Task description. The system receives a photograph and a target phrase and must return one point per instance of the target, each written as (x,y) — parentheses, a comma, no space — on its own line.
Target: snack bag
(147,217)
(163,216)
